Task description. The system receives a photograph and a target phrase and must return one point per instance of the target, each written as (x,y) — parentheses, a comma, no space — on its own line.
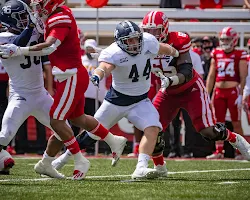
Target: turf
(223,180)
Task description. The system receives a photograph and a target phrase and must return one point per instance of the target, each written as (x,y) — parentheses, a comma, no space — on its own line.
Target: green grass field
(189,179)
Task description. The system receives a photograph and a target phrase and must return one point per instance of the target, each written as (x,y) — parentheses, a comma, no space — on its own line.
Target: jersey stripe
(58,17)
(60,22)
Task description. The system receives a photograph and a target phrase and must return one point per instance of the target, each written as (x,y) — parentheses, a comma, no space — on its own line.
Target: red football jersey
(3,74)
(62,25)
(227,64)
(168,65)
(211,4)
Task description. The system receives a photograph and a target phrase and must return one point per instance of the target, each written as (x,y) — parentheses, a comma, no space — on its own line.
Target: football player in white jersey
(128,59)
(27,95)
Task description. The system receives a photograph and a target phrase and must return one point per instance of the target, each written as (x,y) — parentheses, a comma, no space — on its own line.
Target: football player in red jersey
(228,71)
(183,88)
(63,47)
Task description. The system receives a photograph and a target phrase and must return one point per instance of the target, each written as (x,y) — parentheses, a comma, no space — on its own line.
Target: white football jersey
(132,74)
(25,72)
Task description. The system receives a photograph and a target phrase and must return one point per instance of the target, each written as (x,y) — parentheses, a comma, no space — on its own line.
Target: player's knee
(215,133)
(84,140)
(160,145)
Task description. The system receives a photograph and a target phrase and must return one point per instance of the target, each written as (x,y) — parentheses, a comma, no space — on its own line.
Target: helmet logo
(7,9)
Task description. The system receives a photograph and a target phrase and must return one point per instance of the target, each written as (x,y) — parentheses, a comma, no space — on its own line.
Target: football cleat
(162,170)
(215,155)
(48,170)
(117,148)
(81,169)
(145,173)
(242,145)
(6,162)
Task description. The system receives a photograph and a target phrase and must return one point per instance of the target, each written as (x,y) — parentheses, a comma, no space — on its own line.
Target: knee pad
(219,132)
(160,144)
(84,140)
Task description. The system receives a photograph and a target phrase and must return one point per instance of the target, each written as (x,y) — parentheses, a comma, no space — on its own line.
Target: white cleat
(162,170)
(145,173)
(242,145)
(215,155)
(117,148)
(6,162)
(48,170)
(81,169)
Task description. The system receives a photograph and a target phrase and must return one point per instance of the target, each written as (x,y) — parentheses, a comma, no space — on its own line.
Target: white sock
(65,157)
(47,159)
(143,160)
(79,157)
(110,139)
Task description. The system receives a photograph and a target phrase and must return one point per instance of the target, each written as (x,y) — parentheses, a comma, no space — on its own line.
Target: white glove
(238,101)
(165,82)
(156,71)
(10,50)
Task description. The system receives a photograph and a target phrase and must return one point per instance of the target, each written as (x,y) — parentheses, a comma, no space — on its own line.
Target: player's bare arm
(166,49)
(104,69)
(243,74)
(211,77)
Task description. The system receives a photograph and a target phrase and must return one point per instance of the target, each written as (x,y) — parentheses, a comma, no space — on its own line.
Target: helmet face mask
(156,23)
(129,38)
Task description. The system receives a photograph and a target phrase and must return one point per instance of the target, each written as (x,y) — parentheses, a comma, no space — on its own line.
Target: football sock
(143,160)
(46,158)
(231,136)
(100,131)
(72,145)
(158,160)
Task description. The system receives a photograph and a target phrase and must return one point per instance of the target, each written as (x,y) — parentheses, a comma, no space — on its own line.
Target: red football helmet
(45,7)
(156,23)
(228,38)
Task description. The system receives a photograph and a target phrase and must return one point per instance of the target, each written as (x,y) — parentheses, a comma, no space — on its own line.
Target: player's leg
(106,116)
(168,107)
(204,122)
(54,145)
(137,138)
(146,118)
(220,109)
(16,113)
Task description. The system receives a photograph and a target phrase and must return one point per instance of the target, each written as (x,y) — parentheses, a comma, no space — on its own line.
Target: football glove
(10,50)
(95,79)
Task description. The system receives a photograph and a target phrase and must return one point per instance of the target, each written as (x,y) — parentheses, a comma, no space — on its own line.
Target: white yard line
(121,176)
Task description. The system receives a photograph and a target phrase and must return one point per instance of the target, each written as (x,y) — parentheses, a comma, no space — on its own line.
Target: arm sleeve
(59,32)
(23,39)
(196,60)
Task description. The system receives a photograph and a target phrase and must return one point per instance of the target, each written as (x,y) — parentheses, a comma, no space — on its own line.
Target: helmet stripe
(130,26)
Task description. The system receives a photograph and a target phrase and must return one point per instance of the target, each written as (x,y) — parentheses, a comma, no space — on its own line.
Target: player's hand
(165,82)
(156,71)
(9,50)
(95,80)
(245,103)
(238,101)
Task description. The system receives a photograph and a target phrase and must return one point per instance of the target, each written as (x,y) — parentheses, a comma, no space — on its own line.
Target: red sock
(231,136)
(219,148)
(100,131)
(158,160)
(72,145)
(136,148)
